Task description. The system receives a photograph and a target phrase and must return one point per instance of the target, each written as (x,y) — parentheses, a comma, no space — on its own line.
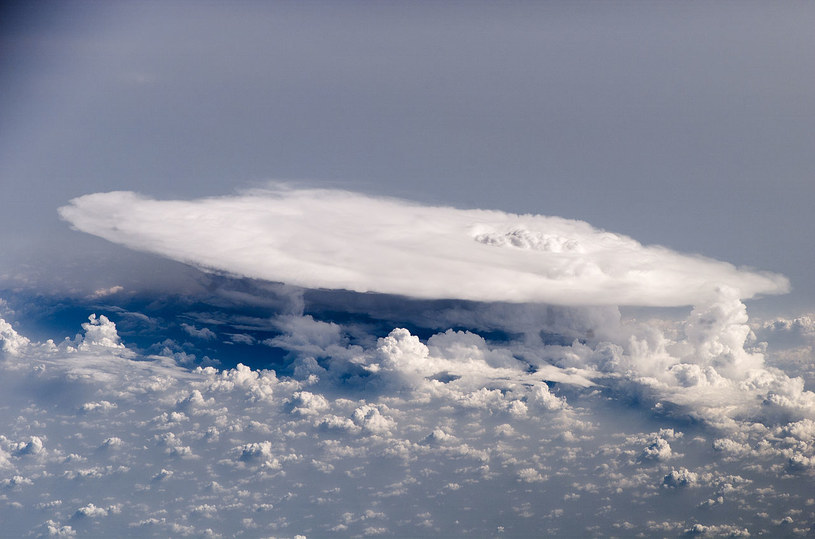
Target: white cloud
(306,403)
(430,436)
(530,475)
(706,367)
(92,511)
(32,447)
(717,530)
(12,342)
(370,418)
(53,529)
(102,406)
(659,449)
(100,333)
(341,240)
(15,481)
(680,478)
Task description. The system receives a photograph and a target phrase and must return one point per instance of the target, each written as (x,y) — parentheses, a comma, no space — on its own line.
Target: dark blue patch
(241,312)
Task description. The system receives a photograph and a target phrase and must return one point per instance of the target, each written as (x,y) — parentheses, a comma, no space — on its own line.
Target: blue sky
(445,280)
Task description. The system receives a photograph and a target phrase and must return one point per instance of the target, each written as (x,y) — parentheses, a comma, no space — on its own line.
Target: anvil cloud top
(320,238)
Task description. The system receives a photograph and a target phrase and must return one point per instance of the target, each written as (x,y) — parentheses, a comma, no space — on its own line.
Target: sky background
(142,394)
(683,124)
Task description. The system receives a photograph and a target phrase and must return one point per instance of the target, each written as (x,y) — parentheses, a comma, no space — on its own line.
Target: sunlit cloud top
(320,238)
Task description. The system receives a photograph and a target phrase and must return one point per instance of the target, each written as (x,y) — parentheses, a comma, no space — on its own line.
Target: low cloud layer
(317,238)
(453,436)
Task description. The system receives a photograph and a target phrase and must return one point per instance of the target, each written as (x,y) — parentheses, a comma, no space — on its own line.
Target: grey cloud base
(317,238)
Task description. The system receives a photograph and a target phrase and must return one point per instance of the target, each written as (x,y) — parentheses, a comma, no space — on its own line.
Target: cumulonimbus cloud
(333,239)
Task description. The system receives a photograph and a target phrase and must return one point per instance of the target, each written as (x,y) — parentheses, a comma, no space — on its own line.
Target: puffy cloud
(11,342)
(680,478)
(370,418)
(162,475)
(543,398)
(717,530)
(92,511)
(102,405)
(16,482)
(100,333)
(53,529)
(402,360)
(718,330)
(158,449)
(306,403)
(319,238)
(403,353)
(257,453)
(659,449)
(530,475)
(802,325)
(33,447)
(705,367)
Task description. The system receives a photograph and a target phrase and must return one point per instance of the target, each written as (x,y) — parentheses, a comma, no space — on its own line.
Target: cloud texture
(449,437)
(406,416)
(318,238)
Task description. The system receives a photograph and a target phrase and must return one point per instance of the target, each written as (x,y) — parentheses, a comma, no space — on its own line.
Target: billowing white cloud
(100,333)
(705,367)
(426,417)
(452,435)
(318,238)
(12,342)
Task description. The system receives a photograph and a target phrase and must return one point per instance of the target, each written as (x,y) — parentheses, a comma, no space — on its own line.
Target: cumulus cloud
(680,478)
(706,367)
(11,342)
(100,333)
(446,435)
(317,238)
(487,400)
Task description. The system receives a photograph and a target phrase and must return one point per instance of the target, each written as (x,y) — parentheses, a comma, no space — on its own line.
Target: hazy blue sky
(685,124)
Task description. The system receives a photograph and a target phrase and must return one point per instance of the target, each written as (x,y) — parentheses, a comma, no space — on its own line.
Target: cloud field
(452,436)
(491,386)
(189,350)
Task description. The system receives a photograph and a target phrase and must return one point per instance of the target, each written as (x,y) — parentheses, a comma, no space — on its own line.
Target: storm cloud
(320,238)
